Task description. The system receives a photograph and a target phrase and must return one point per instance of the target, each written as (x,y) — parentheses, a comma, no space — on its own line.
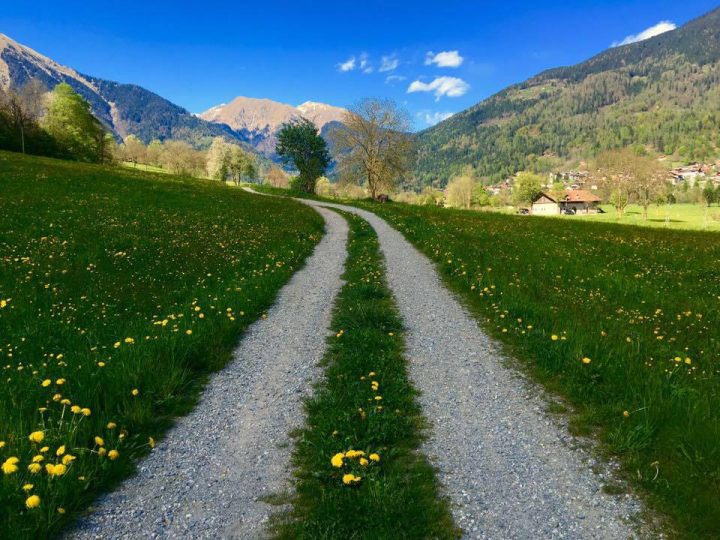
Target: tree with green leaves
(229,161)
(300,144)
(526,187)
(69,120)
(709,194)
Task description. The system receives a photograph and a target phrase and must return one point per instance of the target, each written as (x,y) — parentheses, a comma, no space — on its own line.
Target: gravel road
(206,479)
(509,471)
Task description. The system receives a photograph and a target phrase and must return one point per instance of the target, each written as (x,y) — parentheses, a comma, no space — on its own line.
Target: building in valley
(575,201)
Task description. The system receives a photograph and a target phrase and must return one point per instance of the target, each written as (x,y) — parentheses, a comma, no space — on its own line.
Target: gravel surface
(509,471)
(208,477)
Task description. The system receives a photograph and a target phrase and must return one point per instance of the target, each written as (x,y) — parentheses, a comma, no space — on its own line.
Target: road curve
(207,477)
(508,470)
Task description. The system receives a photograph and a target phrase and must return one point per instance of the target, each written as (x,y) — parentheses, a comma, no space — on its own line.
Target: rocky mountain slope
(663,93)
(258,120)
(123,108)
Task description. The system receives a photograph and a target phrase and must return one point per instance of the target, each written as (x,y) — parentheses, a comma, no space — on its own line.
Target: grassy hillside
(119,291)
(622,321)
(662,92)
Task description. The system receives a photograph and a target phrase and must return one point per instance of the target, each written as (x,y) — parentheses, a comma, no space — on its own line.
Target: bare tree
(459,192)
(276,177)
(627,175)
(24,107)
(373,144)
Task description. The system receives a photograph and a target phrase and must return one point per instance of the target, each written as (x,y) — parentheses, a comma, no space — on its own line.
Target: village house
(575,201)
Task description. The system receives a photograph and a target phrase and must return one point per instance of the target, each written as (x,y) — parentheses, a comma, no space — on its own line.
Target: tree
(709,194)
(557,191)
(241,165)
(300,143)
(480,196)
(24,107)
(133,150)
(430,196)
(626,174)
(526,187)
(373,144)
(70,122)
(229,161)
(153,153)
(180,158)
(323,187)
(218,159)
(276,177)
(459,192)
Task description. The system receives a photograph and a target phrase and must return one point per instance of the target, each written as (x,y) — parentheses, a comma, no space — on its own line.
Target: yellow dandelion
(9,466)
(46,383)
(68,459)
(374,457)
(60,451)
(37,436)
(34,468)
(27,487)
(113,454)
(554,337)
(337,460)
(33,501)
(586,360)
(99,441)
(111,425)
(135,392)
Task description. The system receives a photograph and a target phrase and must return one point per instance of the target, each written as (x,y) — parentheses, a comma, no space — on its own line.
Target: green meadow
(619,321)
(120,290)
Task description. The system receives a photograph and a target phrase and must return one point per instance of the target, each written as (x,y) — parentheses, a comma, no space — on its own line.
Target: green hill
(662,92)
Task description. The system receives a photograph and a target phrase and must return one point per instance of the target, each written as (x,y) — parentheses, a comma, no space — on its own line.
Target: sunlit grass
(119,291)
(623,321)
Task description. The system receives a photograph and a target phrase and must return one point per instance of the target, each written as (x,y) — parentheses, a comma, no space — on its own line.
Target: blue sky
(199,54)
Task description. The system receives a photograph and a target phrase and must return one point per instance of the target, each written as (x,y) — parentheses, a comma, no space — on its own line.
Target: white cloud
(431,118)
(365,65)
(388,63)
(392,78)
(659,28)
(441,86)
(347,65)
(444,59)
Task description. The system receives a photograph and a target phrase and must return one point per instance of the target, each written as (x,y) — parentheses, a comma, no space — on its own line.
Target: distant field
(141,167)
(622,321)
(119,291)
(674,216)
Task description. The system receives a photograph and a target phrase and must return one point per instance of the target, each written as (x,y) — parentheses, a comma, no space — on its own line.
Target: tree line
(57,123)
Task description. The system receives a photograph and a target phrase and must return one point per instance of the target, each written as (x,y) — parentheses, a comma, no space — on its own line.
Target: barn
(575,201)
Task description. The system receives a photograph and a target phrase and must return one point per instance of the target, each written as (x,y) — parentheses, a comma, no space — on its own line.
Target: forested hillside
(662,92)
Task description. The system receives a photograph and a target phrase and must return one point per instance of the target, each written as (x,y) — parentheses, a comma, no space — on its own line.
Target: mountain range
(127,109)
(662,94)
(257,121)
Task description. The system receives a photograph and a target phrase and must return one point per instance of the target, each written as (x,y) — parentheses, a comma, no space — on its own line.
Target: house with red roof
(575,201)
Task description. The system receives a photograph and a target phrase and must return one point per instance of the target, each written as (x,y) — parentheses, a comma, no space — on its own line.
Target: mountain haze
(663,93)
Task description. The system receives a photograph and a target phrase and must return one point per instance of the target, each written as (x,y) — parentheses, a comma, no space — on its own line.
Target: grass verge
(623,321)
(120,291)
(358,470)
